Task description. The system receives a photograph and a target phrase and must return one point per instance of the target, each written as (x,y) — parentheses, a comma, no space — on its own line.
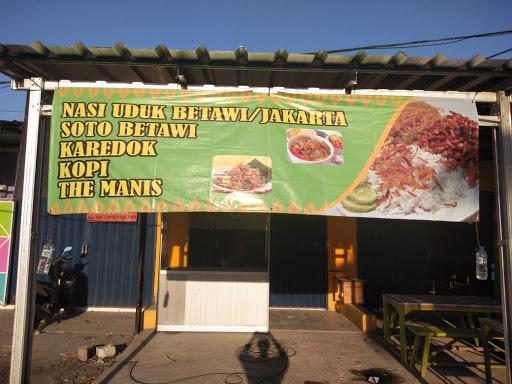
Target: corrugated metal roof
(160,65)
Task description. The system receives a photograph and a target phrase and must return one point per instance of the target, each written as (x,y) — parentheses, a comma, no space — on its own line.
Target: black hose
(252,353)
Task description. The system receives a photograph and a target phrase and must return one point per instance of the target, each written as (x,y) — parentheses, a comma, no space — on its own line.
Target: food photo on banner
(163,150)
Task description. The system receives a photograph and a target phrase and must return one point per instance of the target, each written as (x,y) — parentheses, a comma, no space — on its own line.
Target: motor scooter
(55,286)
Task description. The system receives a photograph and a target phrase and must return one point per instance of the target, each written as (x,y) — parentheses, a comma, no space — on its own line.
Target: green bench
(425,333)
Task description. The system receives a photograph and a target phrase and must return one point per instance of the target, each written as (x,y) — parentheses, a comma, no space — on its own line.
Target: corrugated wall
(111,269)
(415,257)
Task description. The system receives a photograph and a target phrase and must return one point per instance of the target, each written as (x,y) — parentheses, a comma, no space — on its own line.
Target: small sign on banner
(125,217)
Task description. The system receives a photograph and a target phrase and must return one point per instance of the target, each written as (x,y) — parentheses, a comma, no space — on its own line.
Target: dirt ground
(54,356)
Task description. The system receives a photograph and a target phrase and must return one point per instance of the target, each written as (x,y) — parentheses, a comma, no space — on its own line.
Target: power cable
(432,45)
(499,53)
(249,353)
(421,43)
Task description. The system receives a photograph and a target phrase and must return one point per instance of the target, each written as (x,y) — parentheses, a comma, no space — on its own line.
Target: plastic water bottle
(46,258)
(481,264)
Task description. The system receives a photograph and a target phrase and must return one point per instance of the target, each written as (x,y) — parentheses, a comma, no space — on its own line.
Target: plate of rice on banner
(251,177)
(426,169)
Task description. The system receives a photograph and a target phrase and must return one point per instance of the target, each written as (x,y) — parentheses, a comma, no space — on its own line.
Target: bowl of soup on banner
(309,149)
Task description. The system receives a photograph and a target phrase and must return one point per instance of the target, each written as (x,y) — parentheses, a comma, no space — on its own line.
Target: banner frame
(304,206)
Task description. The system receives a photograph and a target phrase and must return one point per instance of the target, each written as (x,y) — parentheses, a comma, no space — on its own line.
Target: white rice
(454,188)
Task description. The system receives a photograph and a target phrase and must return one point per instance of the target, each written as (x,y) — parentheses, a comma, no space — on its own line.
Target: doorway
(298,261)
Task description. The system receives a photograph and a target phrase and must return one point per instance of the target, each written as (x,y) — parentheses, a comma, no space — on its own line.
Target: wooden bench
(490,329)
(425,333)
(362,318)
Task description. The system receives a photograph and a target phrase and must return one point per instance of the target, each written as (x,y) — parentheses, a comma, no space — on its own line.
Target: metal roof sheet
(160,65)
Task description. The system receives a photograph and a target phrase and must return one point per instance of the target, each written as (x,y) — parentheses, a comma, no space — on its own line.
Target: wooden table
(406,304)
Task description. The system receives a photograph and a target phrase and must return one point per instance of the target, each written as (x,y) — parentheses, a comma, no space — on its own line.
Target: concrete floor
(311,320)
(304,346)
(313,347)
(322,347)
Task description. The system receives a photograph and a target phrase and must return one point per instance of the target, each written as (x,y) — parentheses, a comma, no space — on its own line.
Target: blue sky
(298,26)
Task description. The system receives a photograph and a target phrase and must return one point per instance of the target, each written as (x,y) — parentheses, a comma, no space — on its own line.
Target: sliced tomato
(296,152)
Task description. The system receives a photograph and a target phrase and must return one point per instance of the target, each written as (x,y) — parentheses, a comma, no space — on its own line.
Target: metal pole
(140,271)
(23,314)
(503,172)
(268,255)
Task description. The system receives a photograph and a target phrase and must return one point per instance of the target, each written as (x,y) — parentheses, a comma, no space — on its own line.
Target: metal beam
(488,121)
(374,81)
(14,70)
(42,70)
(473,83)
(206,76)
(503,159)
(23,313)
(140,272)
(108,75)
(439,83)
(408,81)
(140,75)
(504,85)
(482,97)
(268,67)
(341,80)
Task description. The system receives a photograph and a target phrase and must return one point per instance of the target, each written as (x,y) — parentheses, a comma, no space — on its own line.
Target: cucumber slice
(349,205)
(363,195)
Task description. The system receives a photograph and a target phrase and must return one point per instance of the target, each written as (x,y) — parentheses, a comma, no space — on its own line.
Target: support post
(140,271)
(24,308)
(503,159)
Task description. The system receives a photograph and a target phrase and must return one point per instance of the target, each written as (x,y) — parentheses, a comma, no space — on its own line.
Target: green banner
(161,150)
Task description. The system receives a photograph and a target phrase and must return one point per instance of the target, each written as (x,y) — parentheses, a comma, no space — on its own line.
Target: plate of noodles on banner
(250,177)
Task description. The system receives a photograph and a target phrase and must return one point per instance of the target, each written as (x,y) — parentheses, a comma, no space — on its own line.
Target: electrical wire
(477,234)
(250,353)
(431,45)
(498,54)
(228,380)
(422,43)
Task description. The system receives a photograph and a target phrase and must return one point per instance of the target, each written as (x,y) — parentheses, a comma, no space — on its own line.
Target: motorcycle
(56,284)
